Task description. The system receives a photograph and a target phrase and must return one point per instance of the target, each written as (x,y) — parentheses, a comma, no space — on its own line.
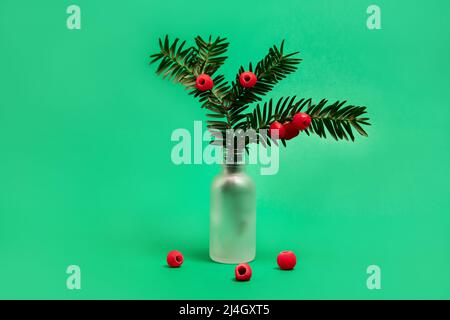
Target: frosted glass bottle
(233,216)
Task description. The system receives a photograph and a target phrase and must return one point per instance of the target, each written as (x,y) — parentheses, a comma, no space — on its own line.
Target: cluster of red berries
(246,79)
(286,261)
(290,129)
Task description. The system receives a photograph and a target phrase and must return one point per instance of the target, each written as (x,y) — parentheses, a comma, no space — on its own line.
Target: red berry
(243,272)
(290,131)
(286,260)
(247,79)
(204,82)
(301,121)
(277,126)
(174,258)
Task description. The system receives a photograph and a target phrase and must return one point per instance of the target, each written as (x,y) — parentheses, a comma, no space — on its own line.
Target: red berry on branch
(243,272)
(277,126)
(290,131)
(174,259)
(204,82)
(301,121)
(247,79)
(286,260)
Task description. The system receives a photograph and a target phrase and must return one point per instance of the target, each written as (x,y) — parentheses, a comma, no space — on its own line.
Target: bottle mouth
(233,156)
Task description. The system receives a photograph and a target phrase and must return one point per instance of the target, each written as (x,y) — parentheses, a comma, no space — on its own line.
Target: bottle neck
(233,168)
(233,156)
(233,160)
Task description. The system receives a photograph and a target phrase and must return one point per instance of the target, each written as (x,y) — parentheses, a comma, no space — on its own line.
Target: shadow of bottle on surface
(198,253)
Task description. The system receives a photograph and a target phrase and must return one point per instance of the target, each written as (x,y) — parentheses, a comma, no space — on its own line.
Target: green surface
(86,176)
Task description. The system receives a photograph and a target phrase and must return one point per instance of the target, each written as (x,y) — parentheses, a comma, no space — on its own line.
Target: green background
(86,176)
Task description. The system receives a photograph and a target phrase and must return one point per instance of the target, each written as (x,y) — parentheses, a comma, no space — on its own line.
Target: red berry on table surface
(277,126)
(301,121)
(175,259)
(204,82)
(290,131)
(247,79)
(286,260)
(243,272)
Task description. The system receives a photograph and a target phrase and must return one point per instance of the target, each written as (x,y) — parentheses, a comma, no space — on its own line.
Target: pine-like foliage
(274,67)
(337,119)
(228,104)
(176,62)
(209,55)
